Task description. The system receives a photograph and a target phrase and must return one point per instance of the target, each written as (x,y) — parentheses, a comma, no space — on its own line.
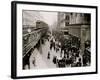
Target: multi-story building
(76,24)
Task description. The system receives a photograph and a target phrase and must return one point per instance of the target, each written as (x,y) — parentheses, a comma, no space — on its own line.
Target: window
(88,16)
(67,17)
(65,33)
(71,14)
(81,14)
(66,23)
(76,15)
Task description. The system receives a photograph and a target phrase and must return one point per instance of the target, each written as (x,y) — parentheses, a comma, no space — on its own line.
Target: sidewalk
(46,49)
(40,63)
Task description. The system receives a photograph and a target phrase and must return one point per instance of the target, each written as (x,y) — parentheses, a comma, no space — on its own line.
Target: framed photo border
(14,40)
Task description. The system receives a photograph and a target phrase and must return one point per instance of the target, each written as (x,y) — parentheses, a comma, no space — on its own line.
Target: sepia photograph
(56,39)
(53,39)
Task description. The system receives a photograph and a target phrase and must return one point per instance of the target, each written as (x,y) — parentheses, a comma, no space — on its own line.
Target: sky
(30,17)
(49,17)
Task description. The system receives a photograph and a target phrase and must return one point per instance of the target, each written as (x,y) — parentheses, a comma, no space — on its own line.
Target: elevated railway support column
(40,49)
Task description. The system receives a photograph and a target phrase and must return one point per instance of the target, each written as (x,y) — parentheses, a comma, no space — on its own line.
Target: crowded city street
(49,56)
(61,42)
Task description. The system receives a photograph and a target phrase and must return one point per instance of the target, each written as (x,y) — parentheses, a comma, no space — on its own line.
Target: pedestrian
(79,63)
(48,57)
(51,44)
(34,61)
(54,59)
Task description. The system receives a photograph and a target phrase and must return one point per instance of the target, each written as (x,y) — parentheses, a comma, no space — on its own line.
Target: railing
(30,39)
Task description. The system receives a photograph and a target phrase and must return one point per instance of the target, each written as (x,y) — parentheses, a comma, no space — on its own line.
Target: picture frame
(22,17)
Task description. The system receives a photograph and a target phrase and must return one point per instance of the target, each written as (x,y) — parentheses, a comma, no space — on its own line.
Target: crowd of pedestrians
(69,56)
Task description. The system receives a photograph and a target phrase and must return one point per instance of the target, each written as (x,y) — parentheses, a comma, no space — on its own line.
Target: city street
(41,60)
(63,41)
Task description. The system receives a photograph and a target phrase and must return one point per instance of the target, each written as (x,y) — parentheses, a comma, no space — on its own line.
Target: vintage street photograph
(55,39)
